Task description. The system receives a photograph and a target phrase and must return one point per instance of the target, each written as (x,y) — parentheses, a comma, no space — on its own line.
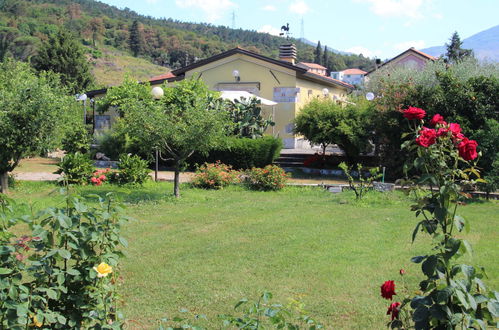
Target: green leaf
(51,294)
(493,307)
(418,259)
(5,271)
(64,253)
(444,295)
(429,265)
(462,299)
(72,271)
(459,222)
(64,221)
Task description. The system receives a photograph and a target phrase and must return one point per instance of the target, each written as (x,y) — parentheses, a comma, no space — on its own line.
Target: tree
(323,121)
(137,40)
(34,114)
(96,29)
(454,51)
(188,118)
(325,58)
(247,117)
(64,55)
(318,53)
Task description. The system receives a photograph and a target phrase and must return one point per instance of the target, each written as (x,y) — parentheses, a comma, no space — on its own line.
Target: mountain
(314,44)
(485,45)
(105,29)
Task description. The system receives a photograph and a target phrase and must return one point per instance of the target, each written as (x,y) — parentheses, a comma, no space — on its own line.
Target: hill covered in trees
(24,24)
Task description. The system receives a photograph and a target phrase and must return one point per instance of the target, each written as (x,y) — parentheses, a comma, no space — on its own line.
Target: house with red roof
(352,76)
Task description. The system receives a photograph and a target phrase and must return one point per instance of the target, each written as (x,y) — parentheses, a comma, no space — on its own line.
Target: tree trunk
(176,181)
(4,183)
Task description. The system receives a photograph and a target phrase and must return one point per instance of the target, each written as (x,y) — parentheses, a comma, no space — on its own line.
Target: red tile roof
(354,71)
(163,76)
(433,58)
(312,65)
(336,81)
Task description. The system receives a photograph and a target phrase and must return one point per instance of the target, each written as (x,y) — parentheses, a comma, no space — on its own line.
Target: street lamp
(83,97)
(236,75)
(325,92)
(157,92)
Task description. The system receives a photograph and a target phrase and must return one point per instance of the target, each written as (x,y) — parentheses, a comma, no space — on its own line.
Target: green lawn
(210,248)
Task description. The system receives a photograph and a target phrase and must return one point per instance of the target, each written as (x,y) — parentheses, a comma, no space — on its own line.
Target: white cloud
(152,1)
(438,16)
(269,8)
(364,51)
(398,8)
(213,9)
(270,30)
(418,44)
(299,7)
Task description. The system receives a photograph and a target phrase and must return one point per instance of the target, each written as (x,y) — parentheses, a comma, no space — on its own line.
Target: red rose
(455,128)
(394,310)
(414,113)
(467,149)
(388,290)
(442,131)
(437,119)
(402,272)
(427,137)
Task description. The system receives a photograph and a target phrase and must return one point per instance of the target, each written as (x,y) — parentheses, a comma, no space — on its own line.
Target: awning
(236,95)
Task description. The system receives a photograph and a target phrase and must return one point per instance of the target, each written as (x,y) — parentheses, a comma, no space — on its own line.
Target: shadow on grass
(130,194)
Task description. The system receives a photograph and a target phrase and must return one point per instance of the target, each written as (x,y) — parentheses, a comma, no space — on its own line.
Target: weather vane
(285,31)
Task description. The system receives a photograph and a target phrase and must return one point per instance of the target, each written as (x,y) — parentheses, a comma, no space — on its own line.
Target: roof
(413,50)
(162,76)
(353,71)
(301,72)
(312,65)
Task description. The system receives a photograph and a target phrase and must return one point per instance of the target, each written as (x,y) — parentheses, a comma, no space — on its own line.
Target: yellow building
(288,84)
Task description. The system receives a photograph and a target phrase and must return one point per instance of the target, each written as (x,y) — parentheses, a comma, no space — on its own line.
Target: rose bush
(214,176)
(452,295)
(271,177)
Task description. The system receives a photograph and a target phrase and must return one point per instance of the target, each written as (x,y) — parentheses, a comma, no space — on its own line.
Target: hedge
(242,153)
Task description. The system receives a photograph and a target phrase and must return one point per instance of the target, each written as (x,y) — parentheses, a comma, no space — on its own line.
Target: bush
(77,140)
(271,177)
(63,274)
(243,153)
(76,168)
(132,169)
(214,176)
(100,176)
(115,142)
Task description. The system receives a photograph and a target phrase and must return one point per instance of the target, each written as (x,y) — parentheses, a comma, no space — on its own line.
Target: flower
(437,119)
(103,269)
(388,290)
(394,310)
(467,149)
(455,129)
(36,323)
(402,271)
(94,179)
(427,137)
(414,113)
(102,177)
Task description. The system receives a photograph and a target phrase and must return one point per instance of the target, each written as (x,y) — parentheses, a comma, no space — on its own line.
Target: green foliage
(243,153)
(454,51)
(324,122)
(214,176)
(77,139)
(132,170)
(33,113)
(137,40)
(76,168)
(365,181)
(126,95)
(271,177)
(188,118)
(453,295)
(62,54)
(247,117)
(49,278)
(489,161)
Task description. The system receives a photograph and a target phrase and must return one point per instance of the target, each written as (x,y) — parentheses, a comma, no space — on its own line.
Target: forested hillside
(165,42)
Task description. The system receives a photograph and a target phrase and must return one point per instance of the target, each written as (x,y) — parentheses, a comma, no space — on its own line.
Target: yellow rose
(103,269)
(36,323)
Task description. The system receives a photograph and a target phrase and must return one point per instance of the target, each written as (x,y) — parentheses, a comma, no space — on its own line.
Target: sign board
(286,94)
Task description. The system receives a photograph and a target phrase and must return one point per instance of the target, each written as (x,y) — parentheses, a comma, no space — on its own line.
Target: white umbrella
(236,95)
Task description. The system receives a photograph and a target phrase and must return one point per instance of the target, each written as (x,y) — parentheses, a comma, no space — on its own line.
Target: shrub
(214,176)
(271,177)
(131,169)
(365,182)
(76,168)
(100,176)
(64,273)
(77,140)
(243,153)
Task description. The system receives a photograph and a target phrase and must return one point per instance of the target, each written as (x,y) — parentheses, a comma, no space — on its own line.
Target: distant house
(314,68)
(288,84)
(352,76)
(411,58)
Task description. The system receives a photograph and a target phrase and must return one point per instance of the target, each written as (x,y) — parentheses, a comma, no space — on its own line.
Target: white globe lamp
(157,92)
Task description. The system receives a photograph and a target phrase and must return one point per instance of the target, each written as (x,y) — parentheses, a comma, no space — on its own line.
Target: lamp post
(157,93)
(236,75)
(83,97)
(325,92)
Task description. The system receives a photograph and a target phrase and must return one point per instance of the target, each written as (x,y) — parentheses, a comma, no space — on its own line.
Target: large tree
(188,118)
(455,52)
(33,114)
(318,53)
(137,39)
(62,54)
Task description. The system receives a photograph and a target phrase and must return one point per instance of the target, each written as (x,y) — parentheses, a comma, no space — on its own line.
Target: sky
(374,28)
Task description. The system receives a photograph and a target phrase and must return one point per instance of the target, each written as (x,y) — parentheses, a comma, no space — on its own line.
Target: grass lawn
(210,248)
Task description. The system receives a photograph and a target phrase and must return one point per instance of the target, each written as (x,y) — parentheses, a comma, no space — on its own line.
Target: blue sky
(381,28)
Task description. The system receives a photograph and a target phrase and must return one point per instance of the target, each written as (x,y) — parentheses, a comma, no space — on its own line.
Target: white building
(350,76)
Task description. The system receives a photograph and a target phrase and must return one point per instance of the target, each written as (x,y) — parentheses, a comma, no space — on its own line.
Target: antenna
(302,30)
(233,19)
(285,31)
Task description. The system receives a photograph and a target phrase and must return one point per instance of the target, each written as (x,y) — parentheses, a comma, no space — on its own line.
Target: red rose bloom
(467,149)
(414,113)
(437,119)
(402,271)
(394,310)
(388,290)
(427,137)
(455,129)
